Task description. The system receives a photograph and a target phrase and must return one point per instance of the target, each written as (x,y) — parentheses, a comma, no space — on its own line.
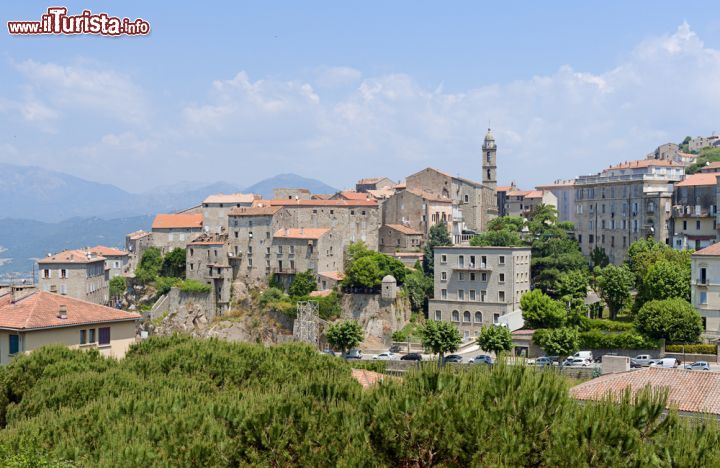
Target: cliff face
(379,317)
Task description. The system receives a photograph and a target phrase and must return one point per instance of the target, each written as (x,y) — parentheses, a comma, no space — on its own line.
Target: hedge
(692,348)
(609,325)
(596,339)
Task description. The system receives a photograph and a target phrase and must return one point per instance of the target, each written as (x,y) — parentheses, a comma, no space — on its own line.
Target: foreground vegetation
(187,402)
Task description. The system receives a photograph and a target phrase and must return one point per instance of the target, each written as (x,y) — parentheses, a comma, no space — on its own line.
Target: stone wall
(379,317)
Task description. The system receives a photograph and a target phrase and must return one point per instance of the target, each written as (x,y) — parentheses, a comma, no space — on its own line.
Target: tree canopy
(560,342)
(173,263)
(441,337)
(149,267)
(540,311)
(664,280)
(437,236)
(613,285)
(496,339)
(345,335)
(366,268)
(503,238)
(303,283)
(675,320)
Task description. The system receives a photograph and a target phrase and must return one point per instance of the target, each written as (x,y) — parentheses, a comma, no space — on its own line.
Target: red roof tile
(535,194)
(367,378)
(328,203)
(333,275)
(642,163)
(178,221)
(72,256)
(40,310)
(700,178)
(107,251)
(710,250)
(351,195)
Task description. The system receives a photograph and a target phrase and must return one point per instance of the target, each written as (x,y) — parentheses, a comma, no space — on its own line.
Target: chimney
(14,296)
(62,312)
(53,288)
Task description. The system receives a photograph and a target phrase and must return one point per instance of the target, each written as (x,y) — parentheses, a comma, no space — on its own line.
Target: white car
(577,362)
(386,356)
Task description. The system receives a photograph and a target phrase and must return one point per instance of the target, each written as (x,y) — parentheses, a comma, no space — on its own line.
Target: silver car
(698,365)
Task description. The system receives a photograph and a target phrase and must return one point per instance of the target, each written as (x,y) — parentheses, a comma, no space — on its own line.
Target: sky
(241,91)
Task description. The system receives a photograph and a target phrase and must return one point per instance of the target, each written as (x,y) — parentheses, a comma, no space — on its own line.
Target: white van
(669,362)
(587,355)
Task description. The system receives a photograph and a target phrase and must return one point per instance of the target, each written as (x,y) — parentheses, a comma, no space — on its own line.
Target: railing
(462,238)
(284,271)
(472,267)
(681,211)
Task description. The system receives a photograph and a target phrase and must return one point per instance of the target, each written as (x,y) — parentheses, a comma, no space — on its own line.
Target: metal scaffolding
(307,323)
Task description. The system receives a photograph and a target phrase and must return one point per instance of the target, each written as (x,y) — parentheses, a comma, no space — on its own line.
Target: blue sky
(243,91)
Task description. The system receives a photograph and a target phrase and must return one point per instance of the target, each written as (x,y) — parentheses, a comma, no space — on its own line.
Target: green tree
(345,335)
(390,266)
(645,253)
(554,253)
(440,337)
(117,286)
(173,264)
(438,236)
(149,266)
(495,338)
(302,284)
(613,284)
(664,280)
(418,287)
(675,320)
(507,223)
(560,342)
(540,311)
(502,238)
(356,251)
(598,257)
(572,283)
(363,272)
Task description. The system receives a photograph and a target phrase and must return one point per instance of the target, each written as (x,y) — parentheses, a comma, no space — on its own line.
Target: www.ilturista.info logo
(57,21)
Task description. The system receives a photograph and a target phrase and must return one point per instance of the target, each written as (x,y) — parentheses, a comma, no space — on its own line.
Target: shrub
(609,325)
(117,286)
(192,286)
(596,339)
(163,284)
(272,294)
(302,284)
(692,348)
(675,320)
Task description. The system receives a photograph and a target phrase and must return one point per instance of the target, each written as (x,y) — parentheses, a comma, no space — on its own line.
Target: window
(483,276)
(478,317)
(684,225)
(501,279)
(482,296)
(461,260)
(472,294)
(472,276)
(496,318)
(703,275)
(438,315)
(443,276)
(104,333)
(443,258)
(63,273)
(466,317)
(467,199)
(461,294)
(46,274)
(501,260)
(83,337)
(14,341)
(91,335)
(455,316)
(443,293)
(501,296)
(697,224)
(461,276)
(703,297)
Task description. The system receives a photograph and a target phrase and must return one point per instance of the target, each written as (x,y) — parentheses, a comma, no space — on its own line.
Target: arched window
(445,193)
(488,174)
(455,316)
(466,316)
(478,317)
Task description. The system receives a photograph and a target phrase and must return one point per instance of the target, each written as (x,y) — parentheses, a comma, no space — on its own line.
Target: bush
(118,286)
(596,339)
(302,284)
(192,286)
(272,294)
(163,284)
(609,325)
(692,348)
(675,320)
(149,267)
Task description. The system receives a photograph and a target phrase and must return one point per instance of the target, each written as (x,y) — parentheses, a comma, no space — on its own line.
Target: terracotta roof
(503,188)
(230,198)
(352,195)
(381,193)
(40,310)
(367,378)
(400,186)
(328,203)
(138,235)
(642,163)
(321,196)
(207,242)
(177,221)
(689,391)
(710,250)
(712,167)
(334,275)
(701,178)
(107,251)
(72,256)
(535,194)
(517,193)
(404,229)
(301,233)
(688,155)
(428,195)
(255,211)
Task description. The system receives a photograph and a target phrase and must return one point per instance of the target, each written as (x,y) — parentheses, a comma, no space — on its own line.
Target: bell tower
(489,165)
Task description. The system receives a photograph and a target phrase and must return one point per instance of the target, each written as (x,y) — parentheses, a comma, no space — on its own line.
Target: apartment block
(476,286)
(207,262)
(705,288)
(564,192)
(75,273)
(693,224)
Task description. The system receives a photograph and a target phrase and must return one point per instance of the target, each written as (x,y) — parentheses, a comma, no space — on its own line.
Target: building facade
(476,286)
(373,183)
(215,209)
(207,261)
(417,210)
(398,238)
(705,288)
(75,273)
(135,244)
(624,203)
(694,211)
(116,260)
(172,231)
(295,250)
(564,191)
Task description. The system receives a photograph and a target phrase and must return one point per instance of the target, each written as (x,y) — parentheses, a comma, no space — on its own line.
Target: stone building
(215,209)
(705,288)
(523,202)
(476,201)
(373,183)
(399,238)
(135,244)
(75,273)
(698,143)
(116,260)
(417,210)
(207,262)
(693,223)
(296,250)
(564,191)
(502,192)
(353,196)
(291,194)
(624,203)
(171,231)
(42,318)
(476,286)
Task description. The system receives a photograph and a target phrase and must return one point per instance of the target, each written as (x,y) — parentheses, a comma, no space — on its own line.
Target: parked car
(668,363)
(453,358)
(482,359)
(634,364)
(354,354)
(544,361)
(386,356)
(577,362)
(587,355)
(698,365)
(412,357)
(328,351)
(644,359)
(394,348)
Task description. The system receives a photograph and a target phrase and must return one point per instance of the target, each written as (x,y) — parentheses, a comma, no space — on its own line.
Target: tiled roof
(321,196)
(400,186)
(517,193)
(178,221)
(712,167)
(255,210)
(701,178)
(535,194)
(367,378)
(642,163)
(138,235)
(428,195)
(328,203)
(351,195)
(301,233)
(370,180)
(689,391)
(381,193)
(231,198)
(334,275)
(72,256)
(503,188)
(40,310)
(107,251)
(404,229)
(711,250)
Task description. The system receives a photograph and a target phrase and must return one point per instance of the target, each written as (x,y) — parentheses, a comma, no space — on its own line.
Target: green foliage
(163,284)
(178,401)
(149,267)
(644,253)
(540,311)
(609,325)
(366,268)
(665,280)
(302,284)
(437,236)
(192,286)
(496,339)
(506,223)
(497,239)
(553,254)
(173,264)
(375,366)
(572,283)
(410,332)
(705,156)
(596,339)
(345,335)
(675,320)
(613,286)
(418,287)
(440,337)
(274,282)
(558,341)
(692,348)
(363,272)
(118,286)
(272,295)
(598,258)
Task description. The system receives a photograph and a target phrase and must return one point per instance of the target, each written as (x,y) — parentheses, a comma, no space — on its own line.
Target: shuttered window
(104,336)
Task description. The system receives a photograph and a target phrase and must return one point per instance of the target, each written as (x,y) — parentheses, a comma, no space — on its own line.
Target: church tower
(489,164)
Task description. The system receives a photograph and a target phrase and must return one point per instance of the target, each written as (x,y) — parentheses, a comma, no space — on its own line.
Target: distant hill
(265,187)
(23,240)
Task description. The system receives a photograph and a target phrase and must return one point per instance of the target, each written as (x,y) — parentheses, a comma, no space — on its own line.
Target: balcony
(691,211)
(284,271)
(702,282)
(472,267)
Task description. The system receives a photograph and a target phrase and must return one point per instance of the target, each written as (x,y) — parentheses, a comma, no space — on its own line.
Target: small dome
(489,136)
(389,279)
